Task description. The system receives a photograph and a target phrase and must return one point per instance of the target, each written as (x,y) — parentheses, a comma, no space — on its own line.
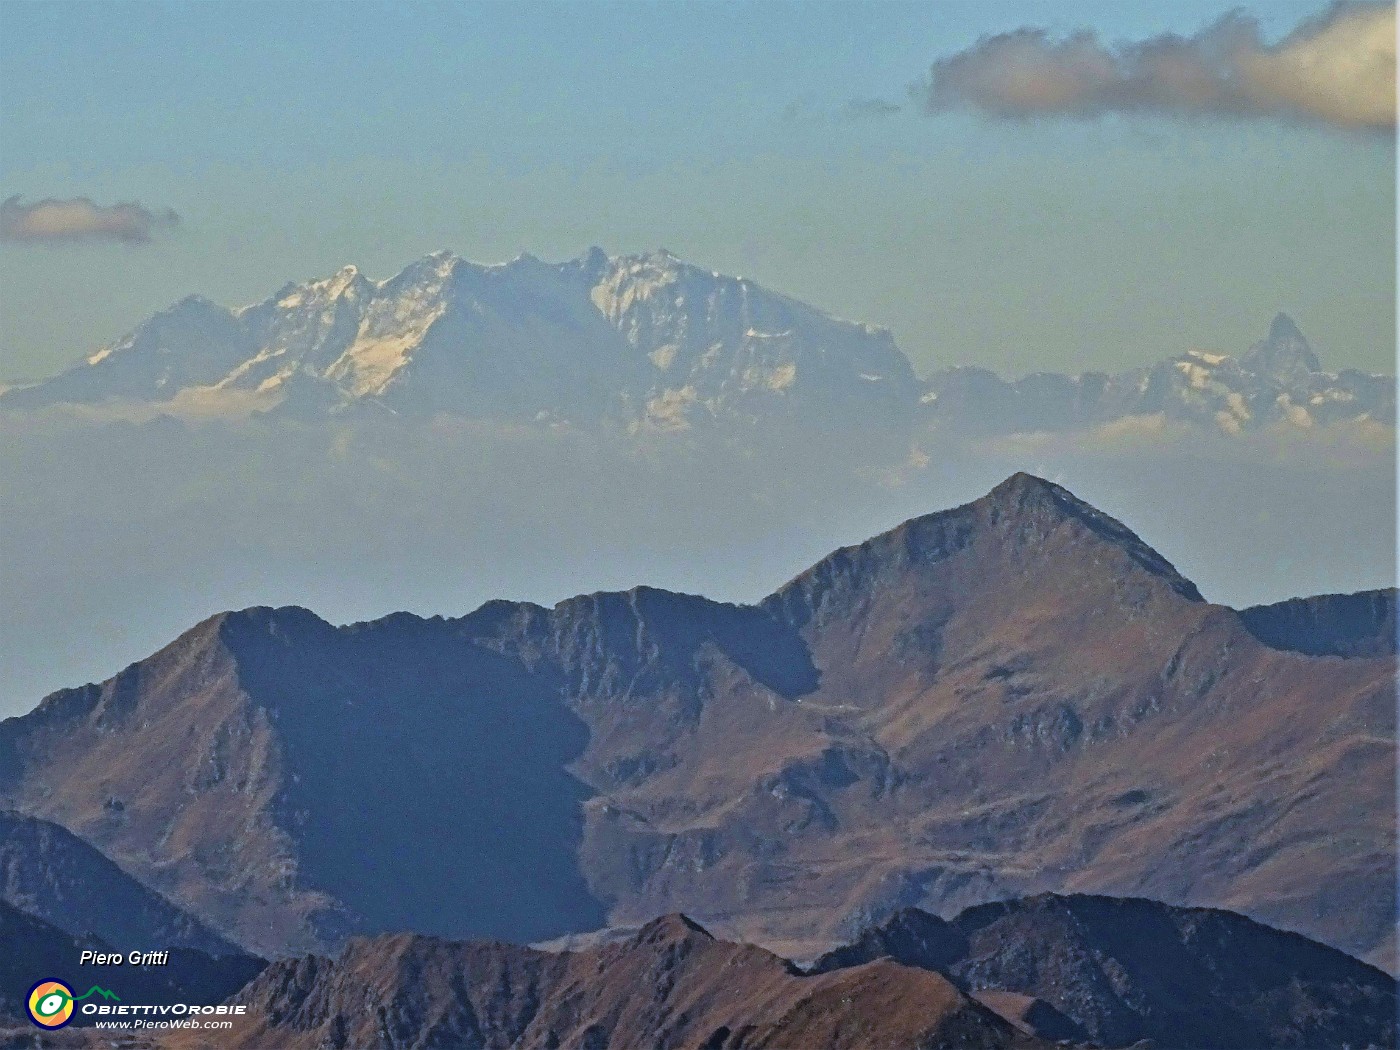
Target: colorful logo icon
(50,1004)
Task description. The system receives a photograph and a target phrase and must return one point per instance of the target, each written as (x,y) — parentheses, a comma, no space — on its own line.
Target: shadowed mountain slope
(1360,624)
(52,874)
(1013,696)
(1125,969)
(293,781)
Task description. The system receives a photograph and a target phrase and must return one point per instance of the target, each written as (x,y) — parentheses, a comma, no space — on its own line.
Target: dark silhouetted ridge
(52,874)
(1362,624)
(1127,969)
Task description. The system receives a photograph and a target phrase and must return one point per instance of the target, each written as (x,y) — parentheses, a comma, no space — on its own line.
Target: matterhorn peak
(1283,328)
(1283,352)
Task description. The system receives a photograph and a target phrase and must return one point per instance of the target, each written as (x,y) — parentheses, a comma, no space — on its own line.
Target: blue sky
(293,138)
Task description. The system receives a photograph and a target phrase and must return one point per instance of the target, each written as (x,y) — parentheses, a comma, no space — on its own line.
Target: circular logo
(50,1004)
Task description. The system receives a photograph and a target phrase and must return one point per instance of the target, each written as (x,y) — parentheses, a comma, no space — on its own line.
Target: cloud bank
(1336,70)
(55,221)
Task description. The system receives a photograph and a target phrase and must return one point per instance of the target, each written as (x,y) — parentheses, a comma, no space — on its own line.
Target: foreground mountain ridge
(1093,970)
(1012,696)
(650,344)
(1032,972)
(672,984)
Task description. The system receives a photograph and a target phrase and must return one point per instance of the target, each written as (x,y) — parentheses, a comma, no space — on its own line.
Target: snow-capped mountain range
(1278,381)
(653,344)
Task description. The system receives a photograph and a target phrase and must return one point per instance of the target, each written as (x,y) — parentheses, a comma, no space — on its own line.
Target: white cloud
(1337,69)
(80,219)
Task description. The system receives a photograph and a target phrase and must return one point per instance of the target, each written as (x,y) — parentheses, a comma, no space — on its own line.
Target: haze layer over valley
(460,432)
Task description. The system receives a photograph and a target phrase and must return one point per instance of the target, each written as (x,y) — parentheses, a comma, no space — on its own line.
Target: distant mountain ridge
(1012,696)
(649,344)
(1278,381)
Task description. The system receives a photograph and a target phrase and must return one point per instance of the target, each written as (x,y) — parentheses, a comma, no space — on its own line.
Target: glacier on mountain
(651,344)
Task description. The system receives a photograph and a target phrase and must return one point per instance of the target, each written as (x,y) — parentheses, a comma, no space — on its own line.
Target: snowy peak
(646,341)
(649,344)
(725,346)
(347,282)
(1279,381)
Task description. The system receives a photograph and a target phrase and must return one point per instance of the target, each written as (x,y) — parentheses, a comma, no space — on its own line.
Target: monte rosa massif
(650,344)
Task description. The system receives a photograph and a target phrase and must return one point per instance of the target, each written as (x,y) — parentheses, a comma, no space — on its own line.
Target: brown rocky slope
(1013,696)
(671,985)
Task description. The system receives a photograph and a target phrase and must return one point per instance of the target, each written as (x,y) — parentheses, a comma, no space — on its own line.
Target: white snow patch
(1295,414)
(1227,423)
(668,412)
(1234,401)
(372,362)
(782,377)
(1210,359)
(1198,377)
(1332,395)
(275,380)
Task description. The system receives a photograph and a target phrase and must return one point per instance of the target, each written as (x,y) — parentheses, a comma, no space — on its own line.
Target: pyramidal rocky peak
(649,344)
(1008,697)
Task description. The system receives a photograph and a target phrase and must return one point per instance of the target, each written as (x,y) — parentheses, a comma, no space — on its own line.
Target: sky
(797,144)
